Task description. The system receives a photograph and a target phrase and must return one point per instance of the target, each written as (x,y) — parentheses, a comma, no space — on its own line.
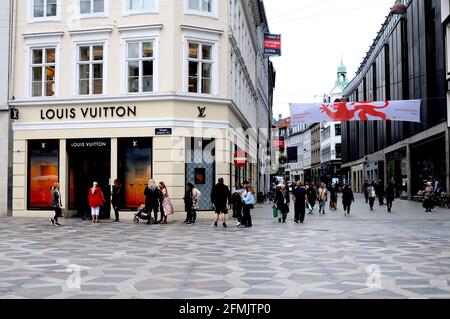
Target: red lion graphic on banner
(342,113)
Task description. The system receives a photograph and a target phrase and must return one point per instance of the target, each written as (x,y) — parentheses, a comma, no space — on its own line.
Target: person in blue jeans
(249,204)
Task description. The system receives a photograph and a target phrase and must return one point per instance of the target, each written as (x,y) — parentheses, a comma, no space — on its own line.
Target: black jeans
(389,205)
(347,207)
(371,202)
(116,212)
(247,218)
(300,210)
(381,200)
(57,214)
(238,213)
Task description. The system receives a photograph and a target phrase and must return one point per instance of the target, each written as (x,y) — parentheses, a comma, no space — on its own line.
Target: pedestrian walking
(322,195)
(237,204)
(347,199)
(372,195)
(220,197)
(249,204)
(189,203)
(366,193)
(311,194)
(333,197)
(96,200)
(379,189)
(428,195)
(300,201)
(390,196)
(56,204)
(153,198)
(282,199)
(196,195)
(116,196)
(166,203)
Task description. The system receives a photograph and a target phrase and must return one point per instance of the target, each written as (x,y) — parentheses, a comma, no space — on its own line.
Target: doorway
(89,161)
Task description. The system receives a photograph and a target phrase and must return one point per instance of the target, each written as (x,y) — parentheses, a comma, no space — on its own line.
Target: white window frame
(40,41)
(140,60)
(90,63)
(32,19)
(205,37)
(213,14)
(84,38)
(103,14)
(127,12)
(140,34)
(42,66)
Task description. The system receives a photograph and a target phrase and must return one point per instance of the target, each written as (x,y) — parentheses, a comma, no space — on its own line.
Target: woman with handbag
(166,203)
(282,199)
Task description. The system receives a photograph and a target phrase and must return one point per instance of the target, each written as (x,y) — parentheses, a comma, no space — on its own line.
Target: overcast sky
(315,34)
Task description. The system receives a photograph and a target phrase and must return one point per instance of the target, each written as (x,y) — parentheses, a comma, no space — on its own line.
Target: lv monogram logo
(43,145)
(135,144)
(201,111)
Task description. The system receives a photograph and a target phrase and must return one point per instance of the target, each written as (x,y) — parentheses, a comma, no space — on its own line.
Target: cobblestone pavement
(331,256)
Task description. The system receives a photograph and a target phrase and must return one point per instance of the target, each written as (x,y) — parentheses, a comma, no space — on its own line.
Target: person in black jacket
(220,197)
(153,198)
(347,199)
(56,204)
(379,190)
(189,203)
(300,200)
(390,196)
(116,196)
(282,200)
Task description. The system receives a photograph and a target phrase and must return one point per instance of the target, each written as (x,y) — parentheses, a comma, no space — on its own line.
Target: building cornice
(90,31)
(42,34)
(140,27)
(201,29)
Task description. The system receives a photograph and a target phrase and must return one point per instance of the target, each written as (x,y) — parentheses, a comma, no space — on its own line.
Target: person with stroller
(220,197)
(282,200)
(153,198)
(96,200)
(311,194)
(56,204)
(347,199)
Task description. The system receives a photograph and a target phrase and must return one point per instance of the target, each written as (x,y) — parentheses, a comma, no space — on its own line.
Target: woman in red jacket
(96,200)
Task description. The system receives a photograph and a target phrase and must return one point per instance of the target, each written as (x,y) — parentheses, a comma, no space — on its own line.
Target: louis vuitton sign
(100,112)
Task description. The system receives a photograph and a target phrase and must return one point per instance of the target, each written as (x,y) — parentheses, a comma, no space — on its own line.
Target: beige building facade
(135,90)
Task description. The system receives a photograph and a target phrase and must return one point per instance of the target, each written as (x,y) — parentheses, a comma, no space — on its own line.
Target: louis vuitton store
(76,145)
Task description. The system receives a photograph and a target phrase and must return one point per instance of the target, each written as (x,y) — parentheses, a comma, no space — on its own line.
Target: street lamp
(399,7)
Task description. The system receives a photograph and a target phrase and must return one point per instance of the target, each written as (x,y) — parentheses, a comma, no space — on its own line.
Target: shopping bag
(275,211)
(310,208)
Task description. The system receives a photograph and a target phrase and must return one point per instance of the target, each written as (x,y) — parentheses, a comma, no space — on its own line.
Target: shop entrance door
(89,161)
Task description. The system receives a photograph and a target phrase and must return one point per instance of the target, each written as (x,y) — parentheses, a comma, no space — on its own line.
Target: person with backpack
(347,199)
(322,195)
(371,194)
(220,197)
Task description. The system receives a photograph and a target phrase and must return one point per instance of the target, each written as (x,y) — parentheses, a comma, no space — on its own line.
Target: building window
(338,150)
(135,169)
(92,6)
(90,69)
(43,172)
(140,6)
(44,8)
(200,64)
(338,129)
(201,7)
(139,65)
(43,72)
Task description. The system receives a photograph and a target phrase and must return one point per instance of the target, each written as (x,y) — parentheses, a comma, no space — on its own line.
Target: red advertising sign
(272,44)
(278,143)
(240,159)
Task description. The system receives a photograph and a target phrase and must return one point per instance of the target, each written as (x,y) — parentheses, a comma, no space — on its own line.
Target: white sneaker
(238,224)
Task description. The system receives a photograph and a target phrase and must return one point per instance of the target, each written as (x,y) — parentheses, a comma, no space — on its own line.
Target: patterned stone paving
(327,257)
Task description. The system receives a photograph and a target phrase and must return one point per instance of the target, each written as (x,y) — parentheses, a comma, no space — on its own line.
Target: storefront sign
(240,159)
(88,145)
(101,112)
(163,131)
(272,44)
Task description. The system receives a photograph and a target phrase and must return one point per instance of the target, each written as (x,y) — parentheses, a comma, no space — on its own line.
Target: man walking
(323,197)
(366,194)
(300,201)
(220,197)
(380,192)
